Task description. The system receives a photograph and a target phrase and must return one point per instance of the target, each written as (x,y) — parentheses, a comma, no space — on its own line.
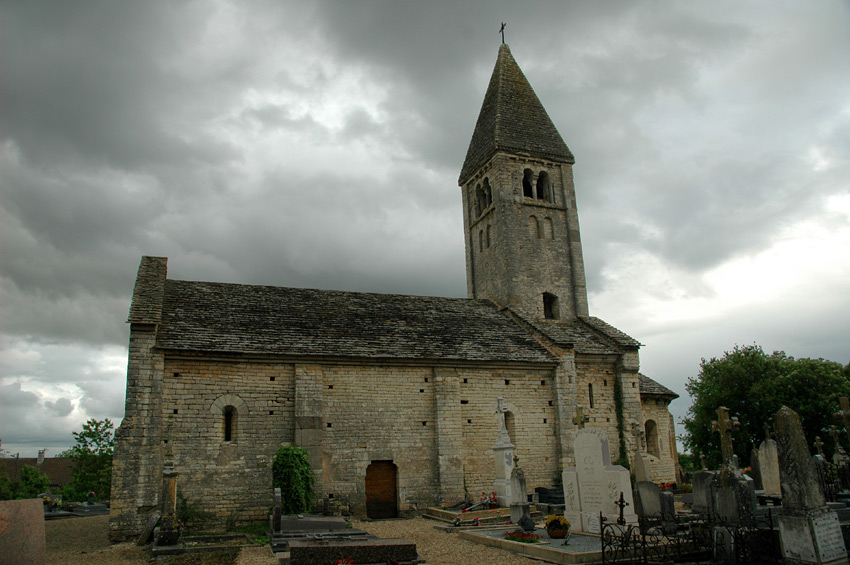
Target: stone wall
(664,465)
(533,245)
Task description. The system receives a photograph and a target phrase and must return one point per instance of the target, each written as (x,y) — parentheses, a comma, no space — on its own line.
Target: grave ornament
(580,419)
(725,425)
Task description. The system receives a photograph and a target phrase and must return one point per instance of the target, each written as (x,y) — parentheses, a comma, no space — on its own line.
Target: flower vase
(559,534)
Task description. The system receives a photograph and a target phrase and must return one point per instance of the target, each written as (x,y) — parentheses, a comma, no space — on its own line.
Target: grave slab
(314,552)
(22,532)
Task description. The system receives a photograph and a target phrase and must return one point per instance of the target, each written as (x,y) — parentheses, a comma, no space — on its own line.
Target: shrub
(292,473)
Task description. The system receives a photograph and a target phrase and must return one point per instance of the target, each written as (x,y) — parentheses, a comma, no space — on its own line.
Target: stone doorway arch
(382,490)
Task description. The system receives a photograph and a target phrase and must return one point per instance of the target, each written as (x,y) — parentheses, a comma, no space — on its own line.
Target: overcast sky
(317,144)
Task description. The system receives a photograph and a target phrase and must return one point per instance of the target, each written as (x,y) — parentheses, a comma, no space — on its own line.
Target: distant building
(58,469)
(393,396)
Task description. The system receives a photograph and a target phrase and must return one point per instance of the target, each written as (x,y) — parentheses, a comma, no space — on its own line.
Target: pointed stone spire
(513,120)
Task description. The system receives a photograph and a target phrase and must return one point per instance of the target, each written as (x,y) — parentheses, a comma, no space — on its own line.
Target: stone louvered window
(543,191)
(229,422)
(550,306)
(228,409)
(527,189)
(534,227)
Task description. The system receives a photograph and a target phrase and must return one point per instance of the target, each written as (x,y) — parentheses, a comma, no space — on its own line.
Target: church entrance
(381,492)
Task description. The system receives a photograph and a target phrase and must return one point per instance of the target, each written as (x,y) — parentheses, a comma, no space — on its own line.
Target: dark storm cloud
(318,145)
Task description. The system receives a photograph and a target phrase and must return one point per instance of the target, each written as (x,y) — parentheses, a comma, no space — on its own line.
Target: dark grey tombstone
(809,530)
(655,506)
(277,510)
(733,497)
(702,492)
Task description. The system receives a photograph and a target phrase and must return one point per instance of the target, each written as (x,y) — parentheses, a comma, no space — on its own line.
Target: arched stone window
(548,229)
(543,191)
(488,193)
(550,306)
(527,189)
(590,394)
(480,240)
(480,201)
(488,236)
(229,409)
(652,438)
(534,227)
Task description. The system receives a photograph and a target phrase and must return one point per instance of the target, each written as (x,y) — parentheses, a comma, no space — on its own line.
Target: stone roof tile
(512,119)
(219,317)
(652,388)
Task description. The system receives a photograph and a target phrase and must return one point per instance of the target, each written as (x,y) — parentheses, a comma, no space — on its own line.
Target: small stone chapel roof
(268,320)
(585,334)
(512,119)
(649,387)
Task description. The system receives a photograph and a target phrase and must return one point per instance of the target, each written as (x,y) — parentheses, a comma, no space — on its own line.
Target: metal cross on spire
(502,31)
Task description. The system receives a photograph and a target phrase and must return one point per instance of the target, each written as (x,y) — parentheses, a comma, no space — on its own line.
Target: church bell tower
(523,248)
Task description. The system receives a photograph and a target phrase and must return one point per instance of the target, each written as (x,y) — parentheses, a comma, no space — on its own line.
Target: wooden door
(381,493)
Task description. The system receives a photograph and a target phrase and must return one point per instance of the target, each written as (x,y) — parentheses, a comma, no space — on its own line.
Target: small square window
(424,423)
(604,382)
(176,375)
(330,387)
(331,495)
(550,403)
(542,383)
(464,402)
(465,381)
(544,420)
(426,379)
(271,412)
(469,421)
(271,378)
(421,390)
(507,381)
(330,425)
(174,411)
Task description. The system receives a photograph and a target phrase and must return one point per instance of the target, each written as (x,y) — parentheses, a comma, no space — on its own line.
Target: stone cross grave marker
(809,530)
(724,425)
(580,419)
(503,454)
(594,484)
(818,445)
(840,456)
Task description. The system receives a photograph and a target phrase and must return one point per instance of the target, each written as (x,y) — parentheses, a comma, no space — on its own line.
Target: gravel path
(79,541)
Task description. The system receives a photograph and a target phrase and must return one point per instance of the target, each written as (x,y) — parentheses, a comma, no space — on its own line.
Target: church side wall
(229,479)
(530,396)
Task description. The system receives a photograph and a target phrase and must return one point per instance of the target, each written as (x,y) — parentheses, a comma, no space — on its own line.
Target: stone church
(392,396)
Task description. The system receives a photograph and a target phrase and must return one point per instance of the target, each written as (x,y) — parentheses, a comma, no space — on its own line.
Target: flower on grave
(457,521)
(555,522)
(345,561)
(46,500)
(522,537)
(476,521)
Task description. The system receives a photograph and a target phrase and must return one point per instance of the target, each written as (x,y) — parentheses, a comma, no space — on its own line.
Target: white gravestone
(594,484)
(503,452)
(769,467)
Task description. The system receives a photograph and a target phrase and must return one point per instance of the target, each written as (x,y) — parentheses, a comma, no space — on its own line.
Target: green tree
(754,386)
(33,482)
(292,473)
(92,457)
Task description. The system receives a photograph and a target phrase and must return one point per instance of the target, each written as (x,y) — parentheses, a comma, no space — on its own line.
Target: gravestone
(278,505)
(594,484)
(503,452)
(519,496)
(655,505)
(809,530)
(643,468)
(22,532)
(768,458)
(756,468)
(733,495)
(312,551)
(701,487)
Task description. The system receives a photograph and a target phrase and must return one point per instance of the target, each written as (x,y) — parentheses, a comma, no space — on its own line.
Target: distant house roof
(649,387)
(58,469)
(512,119)
(218,317)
